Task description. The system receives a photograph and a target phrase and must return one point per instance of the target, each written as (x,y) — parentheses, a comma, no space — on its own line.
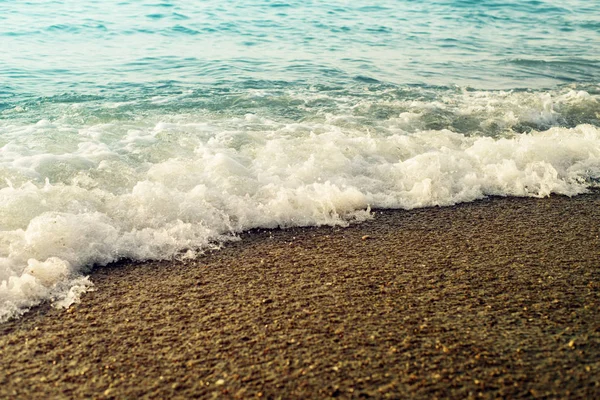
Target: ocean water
(158,129)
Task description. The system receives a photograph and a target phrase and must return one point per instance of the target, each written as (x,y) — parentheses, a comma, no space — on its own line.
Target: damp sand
(496,298)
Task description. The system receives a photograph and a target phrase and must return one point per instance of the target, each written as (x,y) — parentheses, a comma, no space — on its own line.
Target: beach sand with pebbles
(496,298)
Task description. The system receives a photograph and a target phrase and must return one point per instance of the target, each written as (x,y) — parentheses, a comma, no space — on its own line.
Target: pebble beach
(496,298)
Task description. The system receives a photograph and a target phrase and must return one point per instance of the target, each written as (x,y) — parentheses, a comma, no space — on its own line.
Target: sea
(155,129)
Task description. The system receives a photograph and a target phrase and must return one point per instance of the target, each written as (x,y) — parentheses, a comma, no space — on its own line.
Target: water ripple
(49,46)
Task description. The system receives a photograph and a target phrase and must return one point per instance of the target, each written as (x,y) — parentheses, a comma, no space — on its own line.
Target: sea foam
(79,189)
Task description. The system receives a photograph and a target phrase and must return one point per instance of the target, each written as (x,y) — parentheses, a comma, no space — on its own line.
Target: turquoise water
(155,130)
(119,47)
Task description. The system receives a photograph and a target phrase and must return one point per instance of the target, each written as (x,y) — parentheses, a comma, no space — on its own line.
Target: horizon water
(155,130)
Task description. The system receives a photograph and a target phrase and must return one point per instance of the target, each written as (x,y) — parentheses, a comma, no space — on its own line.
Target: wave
(169,176)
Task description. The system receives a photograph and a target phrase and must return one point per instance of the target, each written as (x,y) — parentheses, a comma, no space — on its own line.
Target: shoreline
(495,298)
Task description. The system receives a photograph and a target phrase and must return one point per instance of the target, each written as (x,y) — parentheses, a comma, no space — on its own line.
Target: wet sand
(497,298)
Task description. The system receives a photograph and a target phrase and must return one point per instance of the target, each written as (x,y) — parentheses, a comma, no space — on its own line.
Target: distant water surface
(50,47)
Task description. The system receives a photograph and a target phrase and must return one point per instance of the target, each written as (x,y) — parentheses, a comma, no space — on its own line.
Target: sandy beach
(497,298)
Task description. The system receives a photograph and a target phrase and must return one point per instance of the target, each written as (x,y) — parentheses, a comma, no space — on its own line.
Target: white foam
(170,186)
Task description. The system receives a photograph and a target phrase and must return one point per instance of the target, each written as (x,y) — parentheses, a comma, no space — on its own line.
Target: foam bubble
(162,186)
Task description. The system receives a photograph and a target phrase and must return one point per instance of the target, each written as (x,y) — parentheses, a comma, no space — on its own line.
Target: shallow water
(155,130)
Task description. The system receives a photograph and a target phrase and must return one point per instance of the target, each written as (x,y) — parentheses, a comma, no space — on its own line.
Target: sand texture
(497,298)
